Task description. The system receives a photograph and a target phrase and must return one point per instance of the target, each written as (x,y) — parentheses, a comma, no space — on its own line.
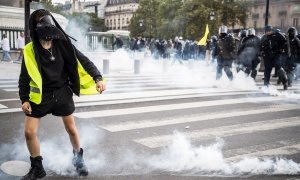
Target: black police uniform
(272,47)
(292,54)
(248,55)
(224,52)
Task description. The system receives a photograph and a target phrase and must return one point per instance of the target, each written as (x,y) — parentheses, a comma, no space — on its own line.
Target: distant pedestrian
(20,45)
(6,48)
(118,42)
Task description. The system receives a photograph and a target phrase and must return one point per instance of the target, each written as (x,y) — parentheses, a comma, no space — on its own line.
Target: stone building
(282,14)
(119,12)
(14,3)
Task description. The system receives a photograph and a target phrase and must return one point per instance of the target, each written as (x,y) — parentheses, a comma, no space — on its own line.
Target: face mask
(47,30)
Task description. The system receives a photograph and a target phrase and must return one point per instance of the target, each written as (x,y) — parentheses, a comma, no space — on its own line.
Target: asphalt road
(175,125)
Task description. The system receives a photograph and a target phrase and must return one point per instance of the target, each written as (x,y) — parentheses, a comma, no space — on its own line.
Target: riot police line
(273,49)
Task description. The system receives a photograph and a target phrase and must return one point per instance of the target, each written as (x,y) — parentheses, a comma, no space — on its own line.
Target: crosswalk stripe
(225,131)
(131,125)
(8,85)
(2,106)
(145,94)
(10,110)
(168,107)
(286,150)
(9,82)
(11,89)
(154,98)
(259,149)
(6,100)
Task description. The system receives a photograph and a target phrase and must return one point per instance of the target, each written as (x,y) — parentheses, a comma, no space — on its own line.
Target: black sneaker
(36,171)
(285,87)
(78,162)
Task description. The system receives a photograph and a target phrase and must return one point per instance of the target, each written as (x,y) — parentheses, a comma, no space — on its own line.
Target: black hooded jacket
(70,55)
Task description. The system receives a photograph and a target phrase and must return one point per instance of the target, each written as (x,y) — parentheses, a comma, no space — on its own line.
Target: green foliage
(188,18)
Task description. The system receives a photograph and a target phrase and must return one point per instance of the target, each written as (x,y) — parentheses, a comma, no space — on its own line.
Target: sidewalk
(9,70)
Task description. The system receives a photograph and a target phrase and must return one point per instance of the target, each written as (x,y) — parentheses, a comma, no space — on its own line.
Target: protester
(52,70)
(118,42)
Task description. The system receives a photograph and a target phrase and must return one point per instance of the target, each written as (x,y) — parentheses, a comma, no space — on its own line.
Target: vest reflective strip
(34,89)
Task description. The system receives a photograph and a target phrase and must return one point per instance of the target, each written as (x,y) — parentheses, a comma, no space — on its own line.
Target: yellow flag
(202,42)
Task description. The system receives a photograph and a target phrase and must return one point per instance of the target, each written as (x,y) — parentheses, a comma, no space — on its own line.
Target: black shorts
(58,102)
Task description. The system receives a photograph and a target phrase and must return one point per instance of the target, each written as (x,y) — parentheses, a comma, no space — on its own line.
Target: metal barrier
(12,34)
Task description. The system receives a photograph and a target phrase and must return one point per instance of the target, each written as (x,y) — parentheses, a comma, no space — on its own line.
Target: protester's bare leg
(31,131)
(70,127)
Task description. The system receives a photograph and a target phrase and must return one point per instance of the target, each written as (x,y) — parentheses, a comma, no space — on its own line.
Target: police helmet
(242,34)
(268,28)
(214,38)
(251,32)
(292,32)
(223,29)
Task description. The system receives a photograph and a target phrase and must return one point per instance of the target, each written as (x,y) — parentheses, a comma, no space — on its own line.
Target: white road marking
(130,125)
(224,131)
(168,107)
(2,106)
(134,100)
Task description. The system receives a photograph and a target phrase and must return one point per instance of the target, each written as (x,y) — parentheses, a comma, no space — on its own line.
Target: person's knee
(30,134)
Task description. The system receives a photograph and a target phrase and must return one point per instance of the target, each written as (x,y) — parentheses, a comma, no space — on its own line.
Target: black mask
(47,30)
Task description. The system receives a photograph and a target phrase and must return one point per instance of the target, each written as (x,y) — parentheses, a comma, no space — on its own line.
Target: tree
(168,13)
(146,20)
(170,18)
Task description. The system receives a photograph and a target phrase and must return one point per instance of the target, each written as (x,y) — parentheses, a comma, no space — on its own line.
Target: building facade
(282,14)
(119,12)
(13,3)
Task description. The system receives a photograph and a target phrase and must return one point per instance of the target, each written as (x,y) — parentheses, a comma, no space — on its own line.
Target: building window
(255,16)
(295,22)
(282,13)
(255,24)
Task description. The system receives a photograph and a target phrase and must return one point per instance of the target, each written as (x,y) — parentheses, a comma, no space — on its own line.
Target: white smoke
(182,156)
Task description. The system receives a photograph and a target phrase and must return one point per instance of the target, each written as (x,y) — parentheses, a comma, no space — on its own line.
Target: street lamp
(141,22)
(212,15)
(267,13)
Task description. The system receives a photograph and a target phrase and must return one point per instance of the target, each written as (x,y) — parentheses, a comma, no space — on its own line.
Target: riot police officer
(224,53)
(242,35)
(293,54)
(272,47)
(248,54)
(213,47)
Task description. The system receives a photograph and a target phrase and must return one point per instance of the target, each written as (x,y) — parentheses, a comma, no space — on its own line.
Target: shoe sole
(41,175)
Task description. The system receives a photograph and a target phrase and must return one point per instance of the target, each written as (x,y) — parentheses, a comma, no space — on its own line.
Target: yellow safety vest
(87,83)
